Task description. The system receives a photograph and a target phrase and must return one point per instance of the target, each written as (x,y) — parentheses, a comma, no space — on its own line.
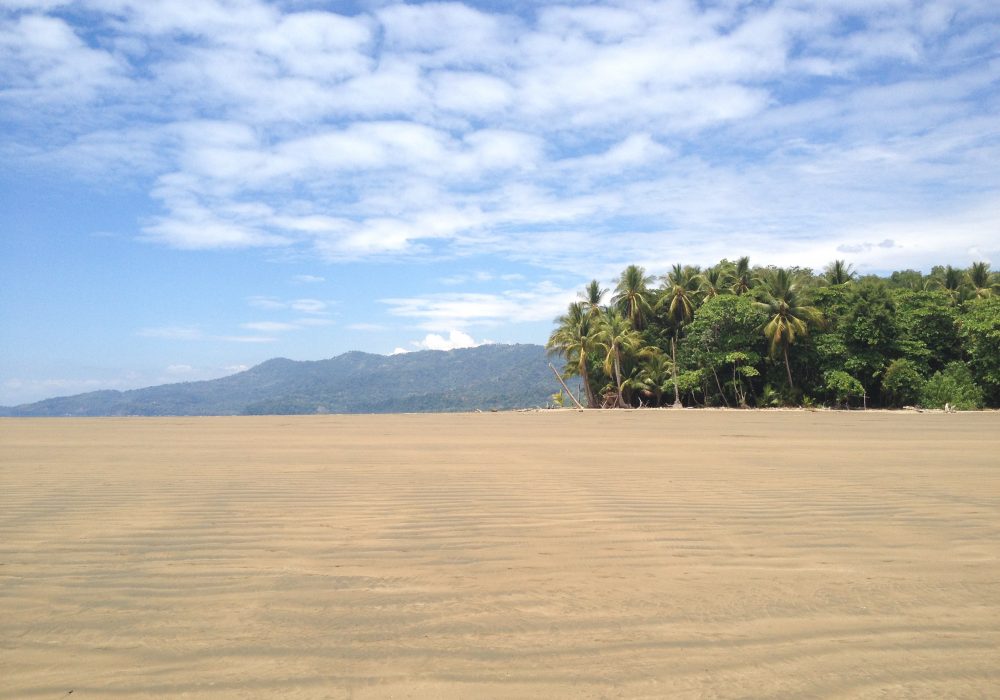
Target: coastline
(629,553)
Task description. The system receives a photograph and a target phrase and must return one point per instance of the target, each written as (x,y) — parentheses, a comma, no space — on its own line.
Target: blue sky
(194,186)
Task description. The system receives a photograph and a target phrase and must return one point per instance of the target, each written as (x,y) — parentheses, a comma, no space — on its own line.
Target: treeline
(736,335)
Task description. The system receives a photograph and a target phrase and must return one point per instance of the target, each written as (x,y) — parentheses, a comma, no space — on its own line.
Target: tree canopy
(735,334)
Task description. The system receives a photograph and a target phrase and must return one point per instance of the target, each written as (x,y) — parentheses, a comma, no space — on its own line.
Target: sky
(190,187)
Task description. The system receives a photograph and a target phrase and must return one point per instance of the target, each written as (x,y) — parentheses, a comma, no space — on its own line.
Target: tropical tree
(949,279)
(573,339)
(632,295)
(656,376)
(722,334)
(953,386)
(902,382)
(839,272)
(741,277)
(843,386)
(616,336)
(979,335)
(980,280)
(712,281)
(679,298)
(789,316)
(593,296)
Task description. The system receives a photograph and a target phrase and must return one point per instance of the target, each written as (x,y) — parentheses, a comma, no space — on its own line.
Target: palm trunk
(556,372)
(591,400)
(741,396)
(788,368)
(673,356)
(618,382)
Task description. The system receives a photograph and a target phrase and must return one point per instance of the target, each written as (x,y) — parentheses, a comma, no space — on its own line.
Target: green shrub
(902,383)
(953,386)
(842,386)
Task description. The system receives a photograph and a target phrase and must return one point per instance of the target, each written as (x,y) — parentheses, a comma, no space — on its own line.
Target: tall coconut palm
(951,281)
(573,339)
(712,281)
(616,336)
(632,296)
(742,277)
(980,280)
(679,298)
(593,296)
(839,272)
(789,315)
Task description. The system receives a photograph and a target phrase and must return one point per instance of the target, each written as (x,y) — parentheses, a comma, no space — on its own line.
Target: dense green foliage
(486,377)
(738,335)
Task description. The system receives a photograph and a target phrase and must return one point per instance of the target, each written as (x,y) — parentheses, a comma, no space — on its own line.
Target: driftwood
(555,372)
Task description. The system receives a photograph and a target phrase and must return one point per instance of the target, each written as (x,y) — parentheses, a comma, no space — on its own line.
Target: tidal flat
(638,554)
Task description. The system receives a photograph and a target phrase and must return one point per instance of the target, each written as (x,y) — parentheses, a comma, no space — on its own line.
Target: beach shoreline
(626,553)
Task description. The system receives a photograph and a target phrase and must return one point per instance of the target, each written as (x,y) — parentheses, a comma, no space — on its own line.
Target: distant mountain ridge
(485,377)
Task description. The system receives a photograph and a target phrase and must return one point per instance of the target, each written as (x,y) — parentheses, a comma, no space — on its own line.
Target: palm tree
(679,298)
(656,376)
(712,281)
(742,276)
(592,296)
(573,339)
(632,294)
(839,272)
(980,280)
(615,336)
(950,280)
(789,315)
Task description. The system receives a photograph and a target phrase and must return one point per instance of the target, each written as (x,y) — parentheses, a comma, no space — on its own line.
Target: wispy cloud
(553,136)
(461,310)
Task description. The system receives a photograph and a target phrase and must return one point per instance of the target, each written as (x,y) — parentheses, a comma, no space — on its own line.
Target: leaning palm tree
(632,295)
(679,298)
(839,272)
(789,314)
(616,336)
(573,339)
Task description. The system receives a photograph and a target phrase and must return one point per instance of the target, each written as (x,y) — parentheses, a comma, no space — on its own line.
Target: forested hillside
(737,335)
(486,377)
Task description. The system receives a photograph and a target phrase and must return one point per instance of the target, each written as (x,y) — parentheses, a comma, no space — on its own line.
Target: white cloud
(455,339)
(302,306)
(42,60)
(608,131)
(438,312)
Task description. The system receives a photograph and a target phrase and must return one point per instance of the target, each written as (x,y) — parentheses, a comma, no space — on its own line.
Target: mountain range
(488,377)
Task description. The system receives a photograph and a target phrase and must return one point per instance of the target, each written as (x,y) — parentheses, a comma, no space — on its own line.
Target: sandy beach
(634,554)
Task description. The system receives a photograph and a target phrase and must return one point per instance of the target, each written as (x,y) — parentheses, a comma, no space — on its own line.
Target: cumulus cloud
(455,339)
(552,136)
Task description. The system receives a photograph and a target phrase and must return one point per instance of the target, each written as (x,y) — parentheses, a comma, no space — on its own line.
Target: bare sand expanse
(659,554)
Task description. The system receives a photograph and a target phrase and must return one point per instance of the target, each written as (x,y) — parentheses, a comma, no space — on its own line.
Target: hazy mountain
(486,377)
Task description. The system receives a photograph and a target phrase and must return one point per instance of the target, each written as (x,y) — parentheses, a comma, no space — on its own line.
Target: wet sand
(683,554)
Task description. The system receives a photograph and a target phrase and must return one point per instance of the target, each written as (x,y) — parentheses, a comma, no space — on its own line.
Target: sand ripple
(608,554)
